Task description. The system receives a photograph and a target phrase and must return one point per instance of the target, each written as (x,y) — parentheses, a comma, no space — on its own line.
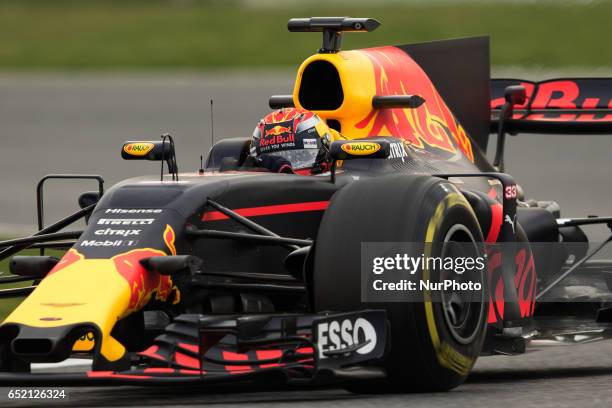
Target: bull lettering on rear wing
(574,106)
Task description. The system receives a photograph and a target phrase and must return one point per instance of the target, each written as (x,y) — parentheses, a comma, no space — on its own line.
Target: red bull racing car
(234,274)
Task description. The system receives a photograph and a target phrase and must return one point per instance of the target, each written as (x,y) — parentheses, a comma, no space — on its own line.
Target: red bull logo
(143,283)
(277,130)
(276,140)
(431,125)
(580,93)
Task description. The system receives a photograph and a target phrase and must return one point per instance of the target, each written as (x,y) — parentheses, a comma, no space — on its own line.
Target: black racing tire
(424,354)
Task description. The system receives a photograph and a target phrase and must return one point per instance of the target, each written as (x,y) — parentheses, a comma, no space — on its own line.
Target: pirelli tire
(424,353)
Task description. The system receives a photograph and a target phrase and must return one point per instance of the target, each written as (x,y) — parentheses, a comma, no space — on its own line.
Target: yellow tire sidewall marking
(446,354)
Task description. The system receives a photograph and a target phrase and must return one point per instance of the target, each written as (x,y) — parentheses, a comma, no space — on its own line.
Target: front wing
(283,348)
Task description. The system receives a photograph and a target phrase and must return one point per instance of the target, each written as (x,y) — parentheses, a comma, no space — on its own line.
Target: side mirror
(160,150)
(369,148)
(88,198)
(360,149)
(154,150)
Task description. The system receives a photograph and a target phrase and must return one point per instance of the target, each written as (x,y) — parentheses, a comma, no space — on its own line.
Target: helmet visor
(299,149)
(299,158)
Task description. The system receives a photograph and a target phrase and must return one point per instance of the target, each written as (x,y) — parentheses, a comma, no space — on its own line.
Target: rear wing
(569,106)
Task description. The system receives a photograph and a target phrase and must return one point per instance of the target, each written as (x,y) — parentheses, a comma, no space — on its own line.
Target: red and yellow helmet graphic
(297,136)
(288,121)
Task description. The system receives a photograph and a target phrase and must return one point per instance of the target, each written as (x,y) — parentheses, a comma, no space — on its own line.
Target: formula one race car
(231,274)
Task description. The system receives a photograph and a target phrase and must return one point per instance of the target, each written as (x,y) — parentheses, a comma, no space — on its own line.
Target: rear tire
(426,353)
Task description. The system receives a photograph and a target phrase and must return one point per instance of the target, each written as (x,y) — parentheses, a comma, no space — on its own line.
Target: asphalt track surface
(562,376)
(76,123)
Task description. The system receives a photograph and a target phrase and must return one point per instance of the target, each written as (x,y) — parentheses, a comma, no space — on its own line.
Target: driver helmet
(292,140)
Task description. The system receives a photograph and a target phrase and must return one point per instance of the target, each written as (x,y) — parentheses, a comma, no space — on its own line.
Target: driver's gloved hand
(276,164)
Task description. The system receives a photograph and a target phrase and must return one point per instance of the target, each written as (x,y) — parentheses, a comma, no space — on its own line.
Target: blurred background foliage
(200,34)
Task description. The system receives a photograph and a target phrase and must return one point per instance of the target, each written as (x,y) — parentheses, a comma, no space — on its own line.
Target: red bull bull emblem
(277,130)
(143,283)
(431,125)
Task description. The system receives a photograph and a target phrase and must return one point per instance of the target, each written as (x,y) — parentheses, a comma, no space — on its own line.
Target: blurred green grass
(132,34)
(7,305)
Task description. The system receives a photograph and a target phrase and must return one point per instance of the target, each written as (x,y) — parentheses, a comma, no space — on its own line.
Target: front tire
(429,351)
